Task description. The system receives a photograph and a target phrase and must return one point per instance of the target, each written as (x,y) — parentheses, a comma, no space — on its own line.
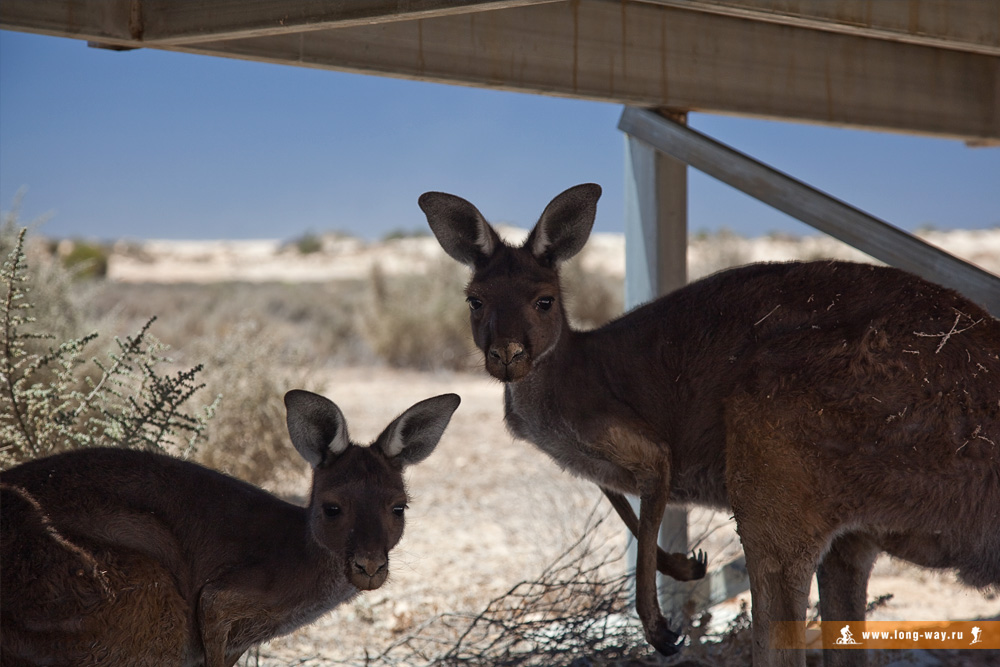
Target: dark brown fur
(121,557)
(839,409)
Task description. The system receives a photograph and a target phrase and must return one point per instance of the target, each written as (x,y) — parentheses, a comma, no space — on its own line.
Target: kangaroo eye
(398,510)
(331,511)
(474,303)
(544,303)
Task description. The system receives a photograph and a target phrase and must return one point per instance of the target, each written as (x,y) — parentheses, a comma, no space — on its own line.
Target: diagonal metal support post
(875,237)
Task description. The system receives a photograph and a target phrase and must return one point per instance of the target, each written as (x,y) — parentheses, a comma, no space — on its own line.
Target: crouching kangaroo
(119,557)
(839,409)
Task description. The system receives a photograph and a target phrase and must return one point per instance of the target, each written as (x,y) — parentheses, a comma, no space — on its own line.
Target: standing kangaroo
(840,410)
(119,557)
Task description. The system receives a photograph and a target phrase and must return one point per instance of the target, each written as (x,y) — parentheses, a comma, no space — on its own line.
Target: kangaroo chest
(256,613)
(598,448)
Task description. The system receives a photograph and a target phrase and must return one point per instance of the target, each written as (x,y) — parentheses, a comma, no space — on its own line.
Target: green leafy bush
(85,260)
(400,233)
(308,243)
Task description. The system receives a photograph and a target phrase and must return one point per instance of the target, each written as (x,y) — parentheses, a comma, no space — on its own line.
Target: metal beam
(114,21)
(172,22)
(842,221)
(969,25)
(656,56)
(135,23)
(855,71)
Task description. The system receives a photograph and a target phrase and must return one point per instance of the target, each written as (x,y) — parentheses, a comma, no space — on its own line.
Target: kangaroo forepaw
(662,638)
(681,566)
(699,564)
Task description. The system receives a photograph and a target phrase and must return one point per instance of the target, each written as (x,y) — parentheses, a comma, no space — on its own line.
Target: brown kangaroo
(839,409)
(119,557)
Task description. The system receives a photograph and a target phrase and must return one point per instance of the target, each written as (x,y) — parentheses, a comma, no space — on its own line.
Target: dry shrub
(243,363)
(421,321)
(317,322)
(53,397)
(573,608)
(53,300)
(593,298)
(248,437)
(577,613)
(256,342)
(710,253)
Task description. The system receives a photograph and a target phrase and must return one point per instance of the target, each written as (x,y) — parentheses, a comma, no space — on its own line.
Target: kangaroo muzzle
(508,361)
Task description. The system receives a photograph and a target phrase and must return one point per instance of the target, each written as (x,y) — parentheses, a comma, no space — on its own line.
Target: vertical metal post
(656,263)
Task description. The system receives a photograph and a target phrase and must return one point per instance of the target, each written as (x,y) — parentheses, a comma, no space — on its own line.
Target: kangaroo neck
(541,387)
(301,580)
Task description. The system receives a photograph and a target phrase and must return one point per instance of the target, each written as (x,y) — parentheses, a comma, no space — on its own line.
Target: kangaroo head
(514,296)
(358,498)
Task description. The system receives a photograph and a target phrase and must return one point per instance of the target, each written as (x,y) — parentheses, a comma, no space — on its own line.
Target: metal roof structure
(915,66)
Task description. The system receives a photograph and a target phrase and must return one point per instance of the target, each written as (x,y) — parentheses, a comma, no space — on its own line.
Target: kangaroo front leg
(676,565)
(658,633)
(217,608)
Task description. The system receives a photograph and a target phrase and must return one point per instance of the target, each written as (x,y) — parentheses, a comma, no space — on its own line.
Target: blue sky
(150,144)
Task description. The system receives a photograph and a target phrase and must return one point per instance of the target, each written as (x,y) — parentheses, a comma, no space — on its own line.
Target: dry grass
(574,607)
(420,321)
(247,437)
(592,298)
(308,324)
(255,342)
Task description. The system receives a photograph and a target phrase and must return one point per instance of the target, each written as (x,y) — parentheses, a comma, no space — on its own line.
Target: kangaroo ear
(413,435)
(316,425)
(459,227)
(565,224)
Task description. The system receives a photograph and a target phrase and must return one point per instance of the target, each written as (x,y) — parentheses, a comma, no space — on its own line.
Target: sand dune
(345,258)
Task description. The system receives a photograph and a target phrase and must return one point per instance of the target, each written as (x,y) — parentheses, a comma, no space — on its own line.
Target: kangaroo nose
(370,565)
(507,353)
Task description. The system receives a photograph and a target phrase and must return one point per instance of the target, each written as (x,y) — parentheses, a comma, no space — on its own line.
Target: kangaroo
(839,410)
(114,556)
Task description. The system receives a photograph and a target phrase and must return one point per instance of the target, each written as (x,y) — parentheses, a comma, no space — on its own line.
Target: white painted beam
(655,264)
(655,223)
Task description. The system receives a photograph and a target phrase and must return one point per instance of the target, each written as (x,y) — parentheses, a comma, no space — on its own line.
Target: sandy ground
(488,512)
